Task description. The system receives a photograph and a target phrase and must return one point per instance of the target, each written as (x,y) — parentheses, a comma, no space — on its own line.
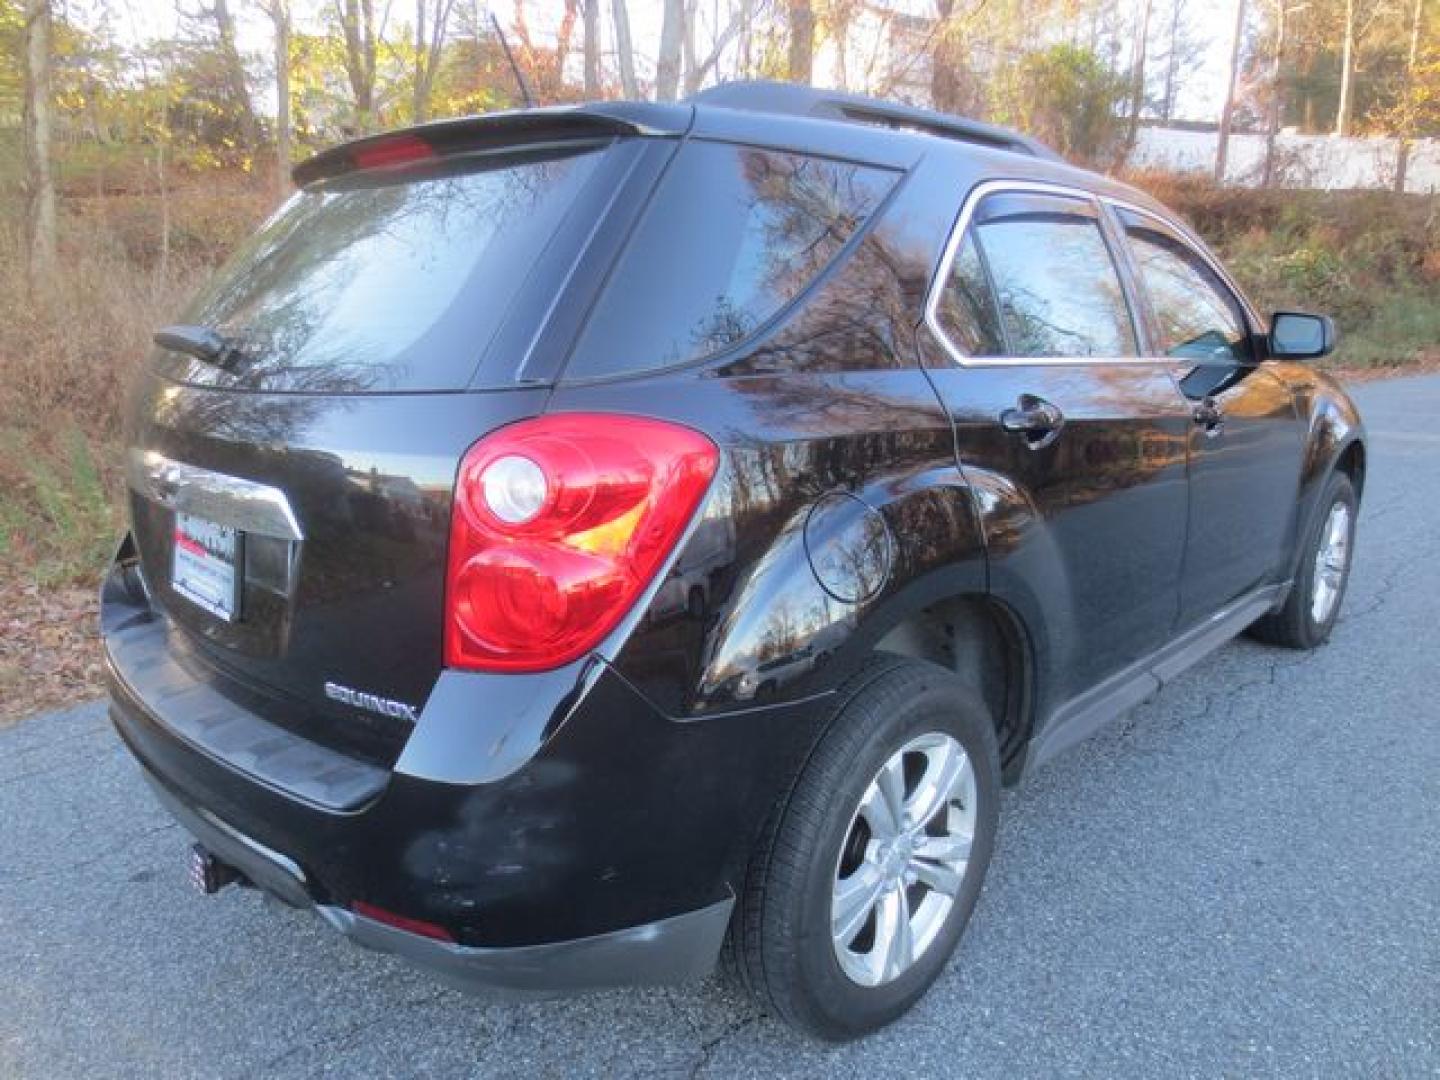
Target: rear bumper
(675,949)
(576,839)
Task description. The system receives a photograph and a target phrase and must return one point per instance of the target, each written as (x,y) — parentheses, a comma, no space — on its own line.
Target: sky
(1202,88)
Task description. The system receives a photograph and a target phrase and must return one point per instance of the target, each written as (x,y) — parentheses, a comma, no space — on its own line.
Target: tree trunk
(801,27)
(944,66)
(162,177)
(1172,63)
(625,51)
(698,68)
(1402,153)
(280,18)
(592,48)
(235,72)
(1227,112)
(357,24)
(39,183)
(672,38)
(1137,88)
(420,102)
(1347,68)
(1272,122)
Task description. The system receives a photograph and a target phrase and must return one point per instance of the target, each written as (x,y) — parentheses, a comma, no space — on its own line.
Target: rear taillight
(559,524)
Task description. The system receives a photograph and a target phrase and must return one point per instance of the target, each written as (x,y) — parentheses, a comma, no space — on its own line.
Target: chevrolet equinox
(571,546)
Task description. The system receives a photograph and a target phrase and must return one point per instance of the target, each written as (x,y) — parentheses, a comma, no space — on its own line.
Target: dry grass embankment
(1372,259)
(66,352)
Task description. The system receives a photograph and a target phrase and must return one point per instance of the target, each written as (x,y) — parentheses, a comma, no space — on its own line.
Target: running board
(1078,719)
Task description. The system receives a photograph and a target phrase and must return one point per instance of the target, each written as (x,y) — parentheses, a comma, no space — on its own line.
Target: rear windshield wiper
(200,342)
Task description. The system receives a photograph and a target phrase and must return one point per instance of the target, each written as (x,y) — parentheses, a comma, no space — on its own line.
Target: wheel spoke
(947,849)
(854,898)
(943,779)
(894,944)
(884,805)
(941,877)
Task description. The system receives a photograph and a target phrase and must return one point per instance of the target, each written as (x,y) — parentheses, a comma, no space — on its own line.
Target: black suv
(569,544)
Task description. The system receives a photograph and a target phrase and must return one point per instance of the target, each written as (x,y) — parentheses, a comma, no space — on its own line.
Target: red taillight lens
(390,151)
(559,523)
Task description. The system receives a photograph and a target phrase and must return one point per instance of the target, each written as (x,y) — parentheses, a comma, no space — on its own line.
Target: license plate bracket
(207,565)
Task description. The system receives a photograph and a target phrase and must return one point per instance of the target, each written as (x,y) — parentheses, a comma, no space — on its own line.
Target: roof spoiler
(777,97)
(495,131)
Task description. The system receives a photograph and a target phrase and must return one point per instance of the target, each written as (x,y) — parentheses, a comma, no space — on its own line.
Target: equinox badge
(361,700)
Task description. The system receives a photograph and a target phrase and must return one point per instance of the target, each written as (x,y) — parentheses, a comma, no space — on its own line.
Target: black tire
(1294,625)
(780,944)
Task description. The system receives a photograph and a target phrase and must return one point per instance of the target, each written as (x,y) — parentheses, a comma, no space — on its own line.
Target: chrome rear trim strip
(227,500)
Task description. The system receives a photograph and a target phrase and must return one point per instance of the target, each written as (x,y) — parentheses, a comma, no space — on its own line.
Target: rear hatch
(291,502)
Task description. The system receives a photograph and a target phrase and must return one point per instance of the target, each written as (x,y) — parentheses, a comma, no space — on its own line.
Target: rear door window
(387,280)
(1055,284)
(731,236)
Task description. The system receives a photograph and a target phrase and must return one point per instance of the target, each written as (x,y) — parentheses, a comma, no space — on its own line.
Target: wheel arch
(1352,461)
(984,642)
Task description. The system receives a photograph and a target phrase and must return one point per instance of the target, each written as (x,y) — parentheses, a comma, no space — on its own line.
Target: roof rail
(778,97)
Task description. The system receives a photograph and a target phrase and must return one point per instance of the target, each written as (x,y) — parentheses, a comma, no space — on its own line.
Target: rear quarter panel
(769,630)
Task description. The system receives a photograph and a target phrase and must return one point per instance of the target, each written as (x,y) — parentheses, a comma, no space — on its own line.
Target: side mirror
(1297,336)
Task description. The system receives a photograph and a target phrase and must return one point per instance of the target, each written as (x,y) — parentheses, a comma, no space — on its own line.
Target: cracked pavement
(1240,877)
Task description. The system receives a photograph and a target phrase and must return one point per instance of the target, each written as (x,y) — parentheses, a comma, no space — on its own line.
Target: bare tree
(697,67)
(625,51)
(1172,63)
(1227,111)
(591,45)
(1347,70)
(431,20)
(357,27)
(233,67)
(1276,104)
(278,11)
(39,183)
(800,27)
(1137,75)
(1407,127)
(667,63)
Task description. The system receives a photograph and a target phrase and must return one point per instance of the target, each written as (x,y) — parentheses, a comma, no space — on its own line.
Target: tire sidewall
(838,1005)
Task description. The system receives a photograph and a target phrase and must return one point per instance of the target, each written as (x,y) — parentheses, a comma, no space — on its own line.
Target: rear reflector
(402,922)
(559,524)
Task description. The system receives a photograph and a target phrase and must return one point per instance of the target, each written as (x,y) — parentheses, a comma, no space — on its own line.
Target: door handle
(1035,418)
(1209,415)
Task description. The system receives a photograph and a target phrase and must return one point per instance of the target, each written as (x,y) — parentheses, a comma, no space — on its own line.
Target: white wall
(1303,161)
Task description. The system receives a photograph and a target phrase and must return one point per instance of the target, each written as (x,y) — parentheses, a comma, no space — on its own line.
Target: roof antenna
(519,75)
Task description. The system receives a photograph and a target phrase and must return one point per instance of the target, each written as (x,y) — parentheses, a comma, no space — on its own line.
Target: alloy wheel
(1332,559)
(903,859)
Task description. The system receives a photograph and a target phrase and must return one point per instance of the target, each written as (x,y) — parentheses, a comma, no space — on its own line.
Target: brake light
(393,150)
(559,523)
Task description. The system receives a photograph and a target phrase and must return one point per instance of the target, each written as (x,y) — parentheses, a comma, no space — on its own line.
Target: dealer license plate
(207,557)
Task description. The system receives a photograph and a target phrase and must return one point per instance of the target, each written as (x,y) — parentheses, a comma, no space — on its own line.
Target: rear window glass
(732,235)
(389,281)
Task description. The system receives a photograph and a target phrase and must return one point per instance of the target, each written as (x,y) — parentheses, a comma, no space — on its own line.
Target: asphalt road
(1241,877)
